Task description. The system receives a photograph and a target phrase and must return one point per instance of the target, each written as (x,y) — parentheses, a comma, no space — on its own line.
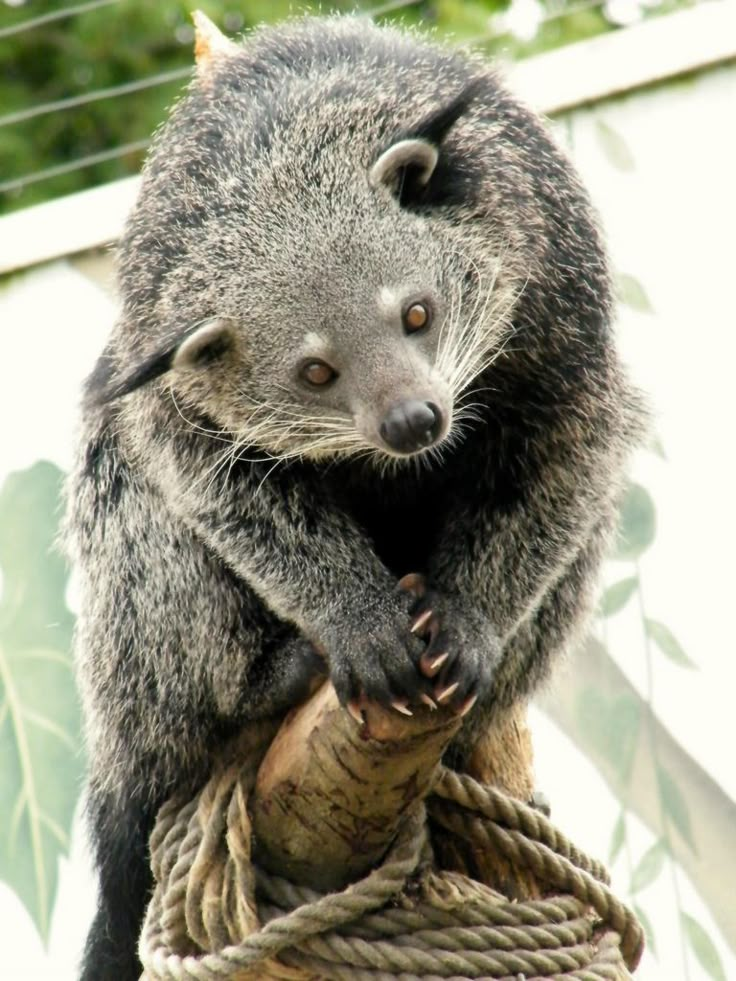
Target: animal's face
(325,306)
(363,346)
(347,356)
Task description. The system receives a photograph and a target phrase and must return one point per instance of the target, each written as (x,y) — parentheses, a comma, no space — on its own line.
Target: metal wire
(21,115)
(162,78)
(83,99)
(389,8)
(19,183)
(30,23)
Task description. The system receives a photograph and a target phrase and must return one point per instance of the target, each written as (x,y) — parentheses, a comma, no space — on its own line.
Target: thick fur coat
(229,518)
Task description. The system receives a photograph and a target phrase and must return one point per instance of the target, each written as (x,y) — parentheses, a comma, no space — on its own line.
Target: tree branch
(712,813)
(331,794)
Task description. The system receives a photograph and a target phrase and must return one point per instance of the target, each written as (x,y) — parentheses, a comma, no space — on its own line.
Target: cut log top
(331,794)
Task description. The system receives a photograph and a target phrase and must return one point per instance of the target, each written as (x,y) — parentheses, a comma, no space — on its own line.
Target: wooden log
(502,758)
(331,793)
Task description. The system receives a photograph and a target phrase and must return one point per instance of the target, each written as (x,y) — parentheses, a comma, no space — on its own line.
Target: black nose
(411,425)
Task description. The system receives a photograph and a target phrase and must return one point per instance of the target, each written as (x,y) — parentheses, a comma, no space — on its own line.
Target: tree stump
(304,831)
(331,794)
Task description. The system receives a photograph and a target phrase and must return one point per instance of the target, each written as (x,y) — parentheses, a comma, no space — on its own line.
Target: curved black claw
(461,652)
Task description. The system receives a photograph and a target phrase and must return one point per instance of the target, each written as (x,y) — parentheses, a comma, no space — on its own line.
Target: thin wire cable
(73,102)
(29,24)
(19,183)
(389,8)
(556,15)
(21,115)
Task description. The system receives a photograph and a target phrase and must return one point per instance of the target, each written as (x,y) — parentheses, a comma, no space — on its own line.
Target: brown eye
(318,373)
(416,317)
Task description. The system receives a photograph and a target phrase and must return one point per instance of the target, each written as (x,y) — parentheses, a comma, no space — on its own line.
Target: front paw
(379,661)
(462,649)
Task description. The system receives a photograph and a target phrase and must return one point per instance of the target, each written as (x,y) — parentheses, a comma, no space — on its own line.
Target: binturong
(365,332)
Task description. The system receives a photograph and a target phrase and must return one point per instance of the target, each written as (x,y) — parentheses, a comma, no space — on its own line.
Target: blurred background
(635,739)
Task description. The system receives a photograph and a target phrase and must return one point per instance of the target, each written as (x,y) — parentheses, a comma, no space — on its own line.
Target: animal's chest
(404,522)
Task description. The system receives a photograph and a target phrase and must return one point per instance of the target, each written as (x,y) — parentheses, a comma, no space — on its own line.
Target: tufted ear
(194,350)
(209,43)
(205,344)
(415,156)
(409,165)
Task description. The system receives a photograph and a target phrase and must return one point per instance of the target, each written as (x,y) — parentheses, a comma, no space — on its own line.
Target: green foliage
(618,153)
(637,523)
(650,866)
(667,643)
(656,446)
(631,292)
(674,805)
(616,728)
(614,146)
(129,41)
(96,50)
(703,947)
(618,838)
(466,19)
(612,725)
(617,596)
(39,714)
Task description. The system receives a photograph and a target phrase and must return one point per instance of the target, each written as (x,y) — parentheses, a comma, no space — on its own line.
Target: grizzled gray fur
(365,331)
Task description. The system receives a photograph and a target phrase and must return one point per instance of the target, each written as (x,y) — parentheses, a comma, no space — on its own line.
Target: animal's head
(309,294)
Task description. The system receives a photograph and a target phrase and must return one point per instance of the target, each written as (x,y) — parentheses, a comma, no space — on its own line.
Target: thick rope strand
(215,915)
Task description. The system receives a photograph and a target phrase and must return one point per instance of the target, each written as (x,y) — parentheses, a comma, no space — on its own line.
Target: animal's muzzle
(411,425)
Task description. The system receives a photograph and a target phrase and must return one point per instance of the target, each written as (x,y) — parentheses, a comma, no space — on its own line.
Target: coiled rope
(215,915)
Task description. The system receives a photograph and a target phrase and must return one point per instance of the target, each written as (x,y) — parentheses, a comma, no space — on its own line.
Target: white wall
(670,220)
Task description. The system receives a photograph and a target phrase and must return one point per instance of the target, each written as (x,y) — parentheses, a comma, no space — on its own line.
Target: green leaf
(465,18)
(703,947)
(39,713)
(656,446)
(618,836)
(631,292)
(647,927)
(637,523)
(667,643)
(674,805)
(649,867)
(617,596)
(614,147)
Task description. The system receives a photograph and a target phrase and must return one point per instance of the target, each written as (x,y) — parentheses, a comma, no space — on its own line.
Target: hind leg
(121,824)
(120,835)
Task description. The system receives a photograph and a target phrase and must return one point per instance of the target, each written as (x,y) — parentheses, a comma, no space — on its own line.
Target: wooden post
(330,793)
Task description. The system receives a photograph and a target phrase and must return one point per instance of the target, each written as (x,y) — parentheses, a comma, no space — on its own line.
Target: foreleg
(536,644)
(279,530)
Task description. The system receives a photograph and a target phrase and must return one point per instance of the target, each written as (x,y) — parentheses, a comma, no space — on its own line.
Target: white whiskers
(471,340)
(475,333)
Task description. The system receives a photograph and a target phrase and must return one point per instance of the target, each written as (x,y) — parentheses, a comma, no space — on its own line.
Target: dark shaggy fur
(227,517)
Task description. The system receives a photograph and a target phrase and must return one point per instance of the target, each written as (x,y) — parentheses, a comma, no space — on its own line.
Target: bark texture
(331,794)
